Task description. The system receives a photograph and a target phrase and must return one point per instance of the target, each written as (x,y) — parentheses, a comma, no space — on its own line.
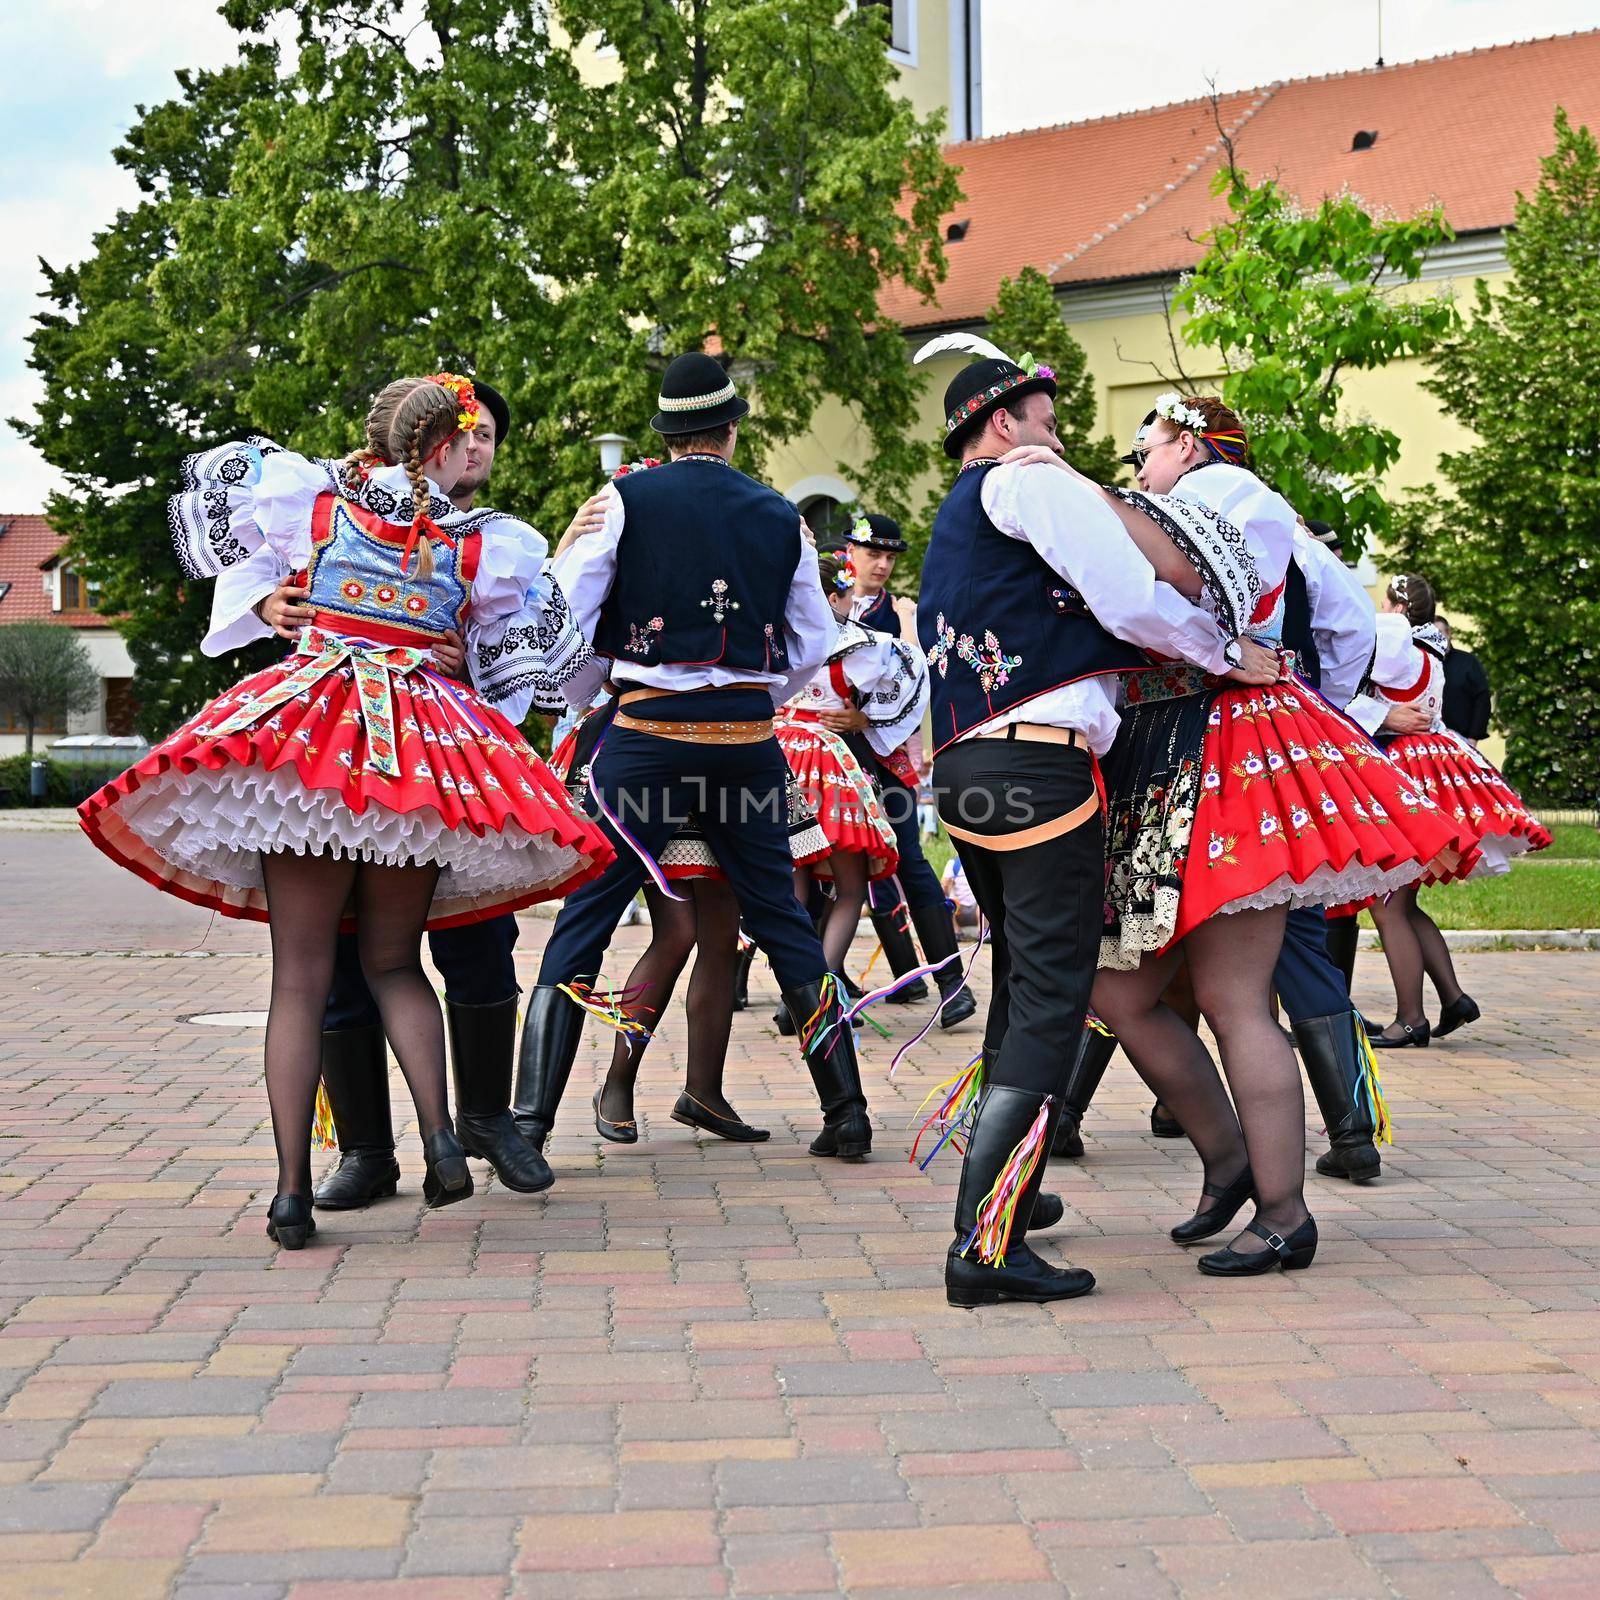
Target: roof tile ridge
(1156,196)
(1268,89)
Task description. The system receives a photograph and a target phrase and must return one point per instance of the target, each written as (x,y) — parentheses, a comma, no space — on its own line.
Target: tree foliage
(1025,319)
(44,673)
(728,174)
(1514,539)
(1294,299)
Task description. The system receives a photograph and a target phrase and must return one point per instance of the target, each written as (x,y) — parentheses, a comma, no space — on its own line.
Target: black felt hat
(696,394)
(875,532)
(1132,457)
(495,403)
(977,389)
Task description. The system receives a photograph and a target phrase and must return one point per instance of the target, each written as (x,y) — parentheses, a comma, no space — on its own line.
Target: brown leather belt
(1037,733)
(698,732)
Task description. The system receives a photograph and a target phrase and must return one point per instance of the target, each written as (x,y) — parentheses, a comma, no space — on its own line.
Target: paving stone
(53,1507)
(182,1397)
(792,1483)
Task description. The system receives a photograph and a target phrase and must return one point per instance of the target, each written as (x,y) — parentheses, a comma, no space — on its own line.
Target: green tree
(736,175)
(1514,539)
(1024,320)
(1294,299)
(44,673)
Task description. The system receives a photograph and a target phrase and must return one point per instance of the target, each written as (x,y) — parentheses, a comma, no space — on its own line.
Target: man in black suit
(1466,691)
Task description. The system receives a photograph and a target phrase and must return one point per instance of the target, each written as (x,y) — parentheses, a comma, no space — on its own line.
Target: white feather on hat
(961,344)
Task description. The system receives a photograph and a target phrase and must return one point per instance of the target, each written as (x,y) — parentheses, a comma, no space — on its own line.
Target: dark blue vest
(882,615)
(704,567)
(1297,634)
(999,624)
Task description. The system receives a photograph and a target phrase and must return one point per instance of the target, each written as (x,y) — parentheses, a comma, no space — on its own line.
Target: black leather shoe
(1330,1051)
(355,1072)
(958,1008)
(1359,1163)
(1163,1125)
(1230,1199)
(831,1059)
(900,951)
(446,1177)
(616,1132)
(1048,1210)
(289,1221)
(1410,1038)
(1069,1141)
(692,1114)
(784,1023)
(481,1042)
(1462,1010)
(1018,1275)
(551,1032)
(1293,1253)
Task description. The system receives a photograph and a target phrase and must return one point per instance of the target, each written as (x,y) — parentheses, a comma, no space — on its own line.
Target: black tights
(1230,964)
(842,917)
(306,897)
(1413,945)
(708,920)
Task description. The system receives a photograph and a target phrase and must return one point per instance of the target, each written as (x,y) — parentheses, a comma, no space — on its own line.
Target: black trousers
(1043,902)
(474,960)
(739,792)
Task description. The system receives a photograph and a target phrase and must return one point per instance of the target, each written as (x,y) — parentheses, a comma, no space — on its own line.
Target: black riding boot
(1343,936)
(741,982)
(831,1058)
(1004,1118)
(900,951)
(355,1070)
(1095,1050)
(937,934)
(1335,1071)
(551,1030)
(481,1042)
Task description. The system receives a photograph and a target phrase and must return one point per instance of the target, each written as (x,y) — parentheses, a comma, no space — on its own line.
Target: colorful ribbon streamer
(998,1213)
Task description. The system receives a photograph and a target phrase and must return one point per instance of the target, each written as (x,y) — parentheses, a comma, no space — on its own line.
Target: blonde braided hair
(379,418)
(425,417)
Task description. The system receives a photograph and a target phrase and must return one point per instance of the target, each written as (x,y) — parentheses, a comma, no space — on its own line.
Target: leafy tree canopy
(1513,538)
(1294,299)
(44,672)
(733,174)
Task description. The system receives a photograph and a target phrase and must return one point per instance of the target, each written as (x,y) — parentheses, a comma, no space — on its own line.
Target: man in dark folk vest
(912,898)
(703,593)
(480,988)
(1034,598)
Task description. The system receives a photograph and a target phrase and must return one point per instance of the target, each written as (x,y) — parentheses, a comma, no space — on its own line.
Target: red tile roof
(27,545)
(1126,196)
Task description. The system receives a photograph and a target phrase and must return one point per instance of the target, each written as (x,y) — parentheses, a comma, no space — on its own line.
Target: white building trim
(821,483)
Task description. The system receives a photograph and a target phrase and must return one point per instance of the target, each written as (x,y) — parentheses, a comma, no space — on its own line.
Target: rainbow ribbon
(609,1008)
(1370,1084)
(324,1135)
(953,1117)
(998,1212)
(928,970)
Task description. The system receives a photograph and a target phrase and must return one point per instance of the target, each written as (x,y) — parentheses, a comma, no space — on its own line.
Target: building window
(75,592)
(10,722)
(902,25)
(829,519)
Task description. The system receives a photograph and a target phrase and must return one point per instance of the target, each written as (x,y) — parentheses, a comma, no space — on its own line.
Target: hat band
(698,402)
(970,407)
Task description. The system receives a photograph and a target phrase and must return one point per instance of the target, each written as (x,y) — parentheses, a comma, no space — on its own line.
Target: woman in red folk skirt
(705,921)
(1227,806)
(1404,711)
(887,680)
(353,779)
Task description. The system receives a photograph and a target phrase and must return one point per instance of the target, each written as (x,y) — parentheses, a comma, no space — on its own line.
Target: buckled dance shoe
(1411,1038)
(289,1221)
(1293,1253)
(1462,1010)
(1231,1199)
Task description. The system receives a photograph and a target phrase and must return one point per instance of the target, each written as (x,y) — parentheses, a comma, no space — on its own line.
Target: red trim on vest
(841,684)
(1415,692)
(1268,603)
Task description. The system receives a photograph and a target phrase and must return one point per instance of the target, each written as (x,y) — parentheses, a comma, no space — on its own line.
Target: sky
(77,69)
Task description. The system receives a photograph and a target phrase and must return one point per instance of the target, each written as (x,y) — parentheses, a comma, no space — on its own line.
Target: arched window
(828,518)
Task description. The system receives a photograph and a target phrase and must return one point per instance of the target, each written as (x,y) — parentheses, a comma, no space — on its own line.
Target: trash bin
(38,781)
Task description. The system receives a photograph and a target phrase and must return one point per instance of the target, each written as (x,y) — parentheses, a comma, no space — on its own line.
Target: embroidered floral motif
(719,605)
(939,655)
(777,654)
(989,661)
(642,640)
(1220,848)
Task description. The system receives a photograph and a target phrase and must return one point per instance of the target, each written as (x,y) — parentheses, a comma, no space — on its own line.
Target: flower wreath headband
(1227,444)
(466,398)
(844,578)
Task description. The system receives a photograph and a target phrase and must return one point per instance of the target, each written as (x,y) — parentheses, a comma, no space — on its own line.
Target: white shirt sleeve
(1343,622)
(890,677)
(1397,662)
(1367,712)
(588,567)
(234,595)
(1069,523)
(1267,521)
(809,626)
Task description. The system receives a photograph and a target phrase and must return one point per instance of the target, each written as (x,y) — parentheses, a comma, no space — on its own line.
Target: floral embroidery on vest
(642,640)
(719,605)
(989,661)
(939,654)
(777,654)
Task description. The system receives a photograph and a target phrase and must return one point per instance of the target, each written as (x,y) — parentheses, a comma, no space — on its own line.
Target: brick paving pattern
(698,1369)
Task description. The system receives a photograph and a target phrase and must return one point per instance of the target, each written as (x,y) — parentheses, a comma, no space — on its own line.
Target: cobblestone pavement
(695,1369)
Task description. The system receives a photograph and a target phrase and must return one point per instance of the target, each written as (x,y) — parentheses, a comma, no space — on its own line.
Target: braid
(419,495)
(353,469)
(424,418)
